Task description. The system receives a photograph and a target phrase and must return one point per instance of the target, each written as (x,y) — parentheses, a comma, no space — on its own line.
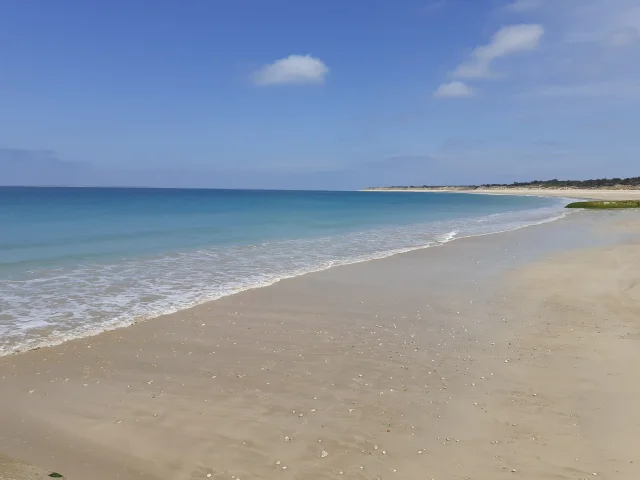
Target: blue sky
(318,94)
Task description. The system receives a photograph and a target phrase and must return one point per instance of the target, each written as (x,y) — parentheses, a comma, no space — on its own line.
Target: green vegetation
(606,204)
(55,475)
(601,183)
(555,183)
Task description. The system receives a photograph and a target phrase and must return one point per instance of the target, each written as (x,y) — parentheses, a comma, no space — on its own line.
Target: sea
(78,261)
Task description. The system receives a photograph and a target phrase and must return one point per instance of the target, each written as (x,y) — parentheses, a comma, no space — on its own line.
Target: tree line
(555,183)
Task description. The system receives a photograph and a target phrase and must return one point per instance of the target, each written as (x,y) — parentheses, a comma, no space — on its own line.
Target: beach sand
(586,194)
(596,194)
(11,469)
(503,356)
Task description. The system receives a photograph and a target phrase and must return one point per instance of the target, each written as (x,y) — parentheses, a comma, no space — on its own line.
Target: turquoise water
(77,261)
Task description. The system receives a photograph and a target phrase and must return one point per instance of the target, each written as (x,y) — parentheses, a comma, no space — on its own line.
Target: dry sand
(571,193)
(11,469)
(589,194)
(504,356)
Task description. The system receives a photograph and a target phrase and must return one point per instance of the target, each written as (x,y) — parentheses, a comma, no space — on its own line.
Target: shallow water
(77,261)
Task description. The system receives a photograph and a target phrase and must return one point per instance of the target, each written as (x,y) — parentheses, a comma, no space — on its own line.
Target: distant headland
(606,189)
(632,183)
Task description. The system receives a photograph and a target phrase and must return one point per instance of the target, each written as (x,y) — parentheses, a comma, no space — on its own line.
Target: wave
(49,307)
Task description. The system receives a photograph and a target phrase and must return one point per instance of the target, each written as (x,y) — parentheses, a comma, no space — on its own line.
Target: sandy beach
(12,469)
(587,194)
(511,355)
(601,194)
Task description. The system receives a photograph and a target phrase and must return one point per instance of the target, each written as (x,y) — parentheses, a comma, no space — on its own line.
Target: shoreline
(569,193)
(476,366)
(93,332)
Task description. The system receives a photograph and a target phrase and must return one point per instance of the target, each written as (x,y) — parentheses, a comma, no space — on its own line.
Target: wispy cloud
(592,52)
(453,90)
(507,41)
(624,36)
(596,89)
(523,5)
(614,23)
(434,6)
(294,69)
(591,49)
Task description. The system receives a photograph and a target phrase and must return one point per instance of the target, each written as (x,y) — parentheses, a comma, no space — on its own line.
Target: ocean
(78,261)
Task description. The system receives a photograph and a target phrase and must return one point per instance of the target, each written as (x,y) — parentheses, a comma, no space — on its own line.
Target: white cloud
(453,90)
(507,41)
(524,5)
(591,51)
(295,69)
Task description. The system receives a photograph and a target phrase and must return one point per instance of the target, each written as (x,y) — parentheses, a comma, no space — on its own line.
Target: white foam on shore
(43,312)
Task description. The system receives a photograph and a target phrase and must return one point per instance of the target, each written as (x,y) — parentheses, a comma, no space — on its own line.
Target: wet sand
(504,356)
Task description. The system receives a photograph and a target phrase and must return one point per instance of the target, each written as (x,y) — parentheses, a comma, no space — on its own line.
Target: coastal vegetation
(631,183)
(606,204)
(555,183)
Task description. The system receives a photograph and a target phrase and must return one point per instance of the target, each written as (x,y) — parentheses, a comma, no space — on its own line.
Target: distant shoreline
(601,193)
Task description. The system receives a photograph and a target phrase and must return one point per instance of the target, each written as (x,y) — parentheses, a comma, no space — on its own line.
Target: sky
(310,94)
